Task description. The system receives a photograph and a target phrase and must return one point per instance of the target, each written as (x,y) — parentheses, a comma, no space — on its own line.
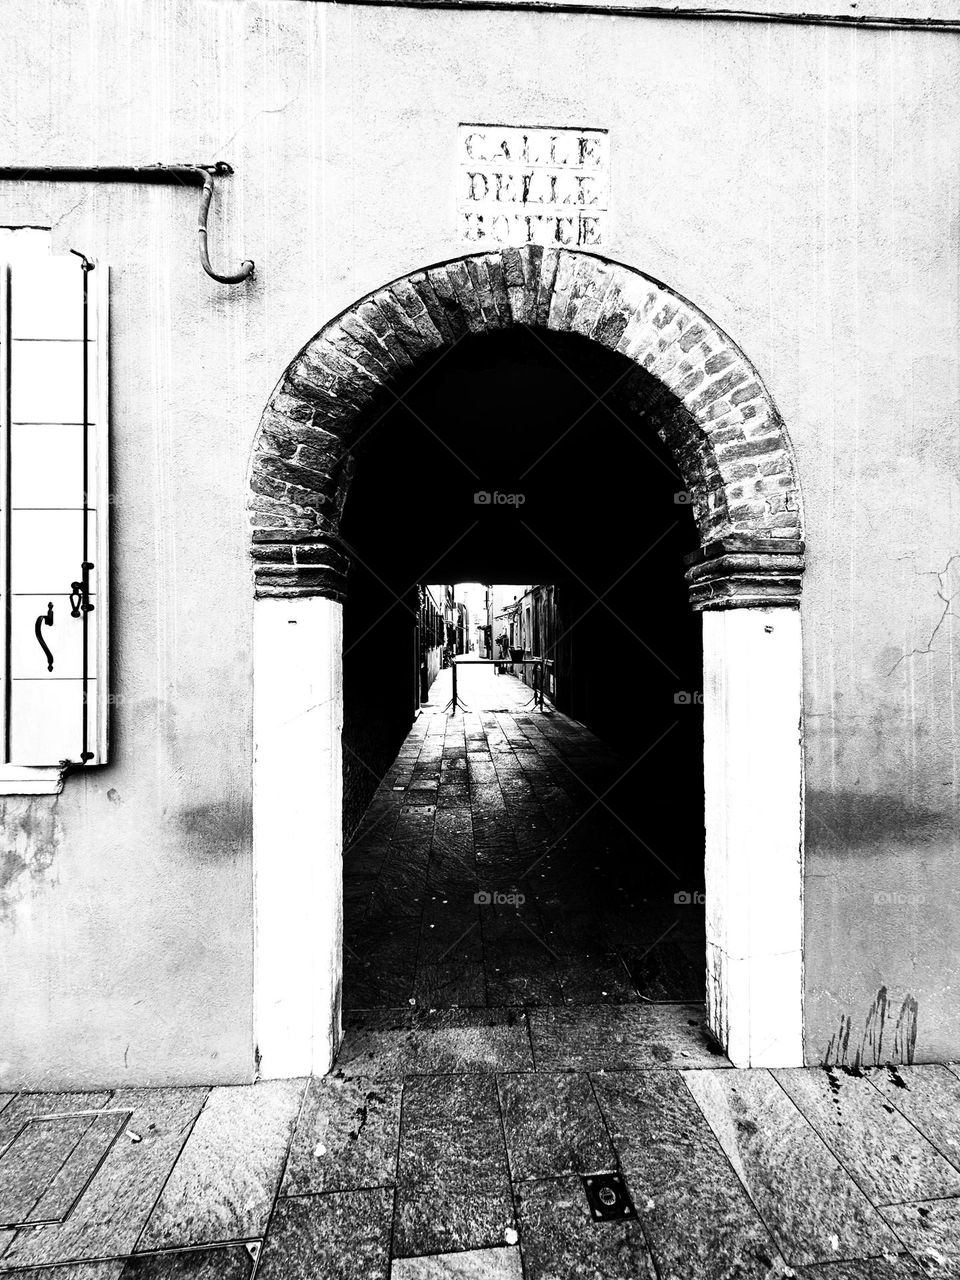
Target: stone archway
(734,454)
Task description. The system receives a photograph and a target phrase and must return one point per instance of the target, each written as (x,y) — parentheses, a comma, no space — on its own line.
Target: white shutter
(56,527)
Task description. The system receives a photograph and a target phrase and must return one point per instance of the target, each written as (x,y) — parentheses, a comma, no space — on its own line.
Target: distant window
(53,495)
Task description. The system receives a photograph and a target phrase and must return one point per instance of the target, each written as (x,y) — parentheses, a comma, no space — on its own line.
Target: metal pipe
(694,12)
(246,267)
(189,175)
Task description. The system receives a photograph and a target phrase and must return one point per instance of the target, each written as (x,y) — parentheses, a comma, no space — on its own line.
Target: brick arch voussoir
(713,411)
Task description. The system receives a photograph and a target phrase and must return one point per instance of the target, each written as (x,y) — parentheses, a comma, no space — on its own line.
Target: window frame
(47,779)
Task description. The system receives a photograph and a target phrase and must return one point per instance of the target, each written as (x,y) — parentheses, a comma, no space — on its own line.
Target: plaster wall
(797,182)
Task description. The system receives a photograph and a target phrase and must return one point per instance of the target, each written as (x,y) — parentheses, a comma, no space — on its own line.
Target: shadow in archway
(529,458)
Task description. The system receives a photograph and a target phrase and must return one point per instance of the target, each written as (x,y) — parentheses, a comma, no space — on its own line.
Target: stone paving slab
(453,1184)
(451,982)
(449,932)
(879,1147)
(345,1234)
(233,1262)
(594,979)
(572,933)
(814,1209)
(347,1137)
(561,1239)
(521,972)
(931,1231)
(929,1097)
(399,894)
(553,1126)
(900,1268)
(401,1042)
(472,1264)
(621,1037)
(386,972)
(460,1220)
(451,1136)
(225,1181)
(665,973)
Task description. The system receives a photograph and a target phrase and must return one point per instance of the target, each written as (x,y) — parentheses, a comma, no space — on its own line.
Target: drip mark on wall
(868,1052)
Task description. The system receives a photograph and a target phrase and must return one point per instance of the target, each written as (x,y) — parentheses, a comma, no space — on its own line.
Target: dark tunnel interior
(598,509)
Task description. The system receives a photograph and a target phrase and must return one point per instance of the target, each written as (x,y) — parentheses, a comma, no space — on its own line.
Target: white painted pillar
(752,693)
(297,842)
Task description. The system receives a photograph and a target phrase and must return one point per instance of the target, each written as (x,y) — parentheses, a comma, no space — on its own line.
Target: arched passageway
(587,821)
(682,380)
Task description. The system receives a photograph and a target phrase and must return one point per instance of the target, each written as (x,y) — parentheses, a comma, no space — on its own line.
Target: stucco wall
(798,183)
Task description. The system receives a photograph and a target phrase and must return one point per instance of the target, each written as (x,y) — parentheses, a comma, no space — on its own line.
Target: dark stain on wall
(867,1047)
(214,830)
(12,866)
(850,820)
(29,846)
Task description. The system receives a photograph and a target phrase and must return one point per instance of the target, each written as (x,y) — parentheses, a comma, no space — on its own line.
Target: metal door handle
(48,619)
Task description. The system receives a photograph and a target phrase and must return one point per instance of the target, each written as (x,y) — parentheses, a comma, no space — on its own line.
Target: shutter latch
(80,592)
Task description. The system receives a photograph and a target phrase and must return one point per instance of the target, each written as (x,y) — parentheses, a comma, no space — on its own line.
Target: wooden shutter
(55,484)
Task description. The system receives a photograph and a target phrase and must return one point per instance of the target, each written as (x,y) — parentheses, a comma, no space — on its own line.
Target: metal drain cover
(608,1197)
(50,1161)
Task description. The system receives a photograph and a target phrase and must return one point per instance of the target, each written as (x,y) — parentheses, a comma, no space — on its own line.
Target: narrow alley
(492,868)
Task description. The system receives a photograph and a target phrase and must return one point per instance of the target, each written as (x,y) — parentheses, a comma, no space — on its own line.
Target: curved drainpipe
(191,175)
